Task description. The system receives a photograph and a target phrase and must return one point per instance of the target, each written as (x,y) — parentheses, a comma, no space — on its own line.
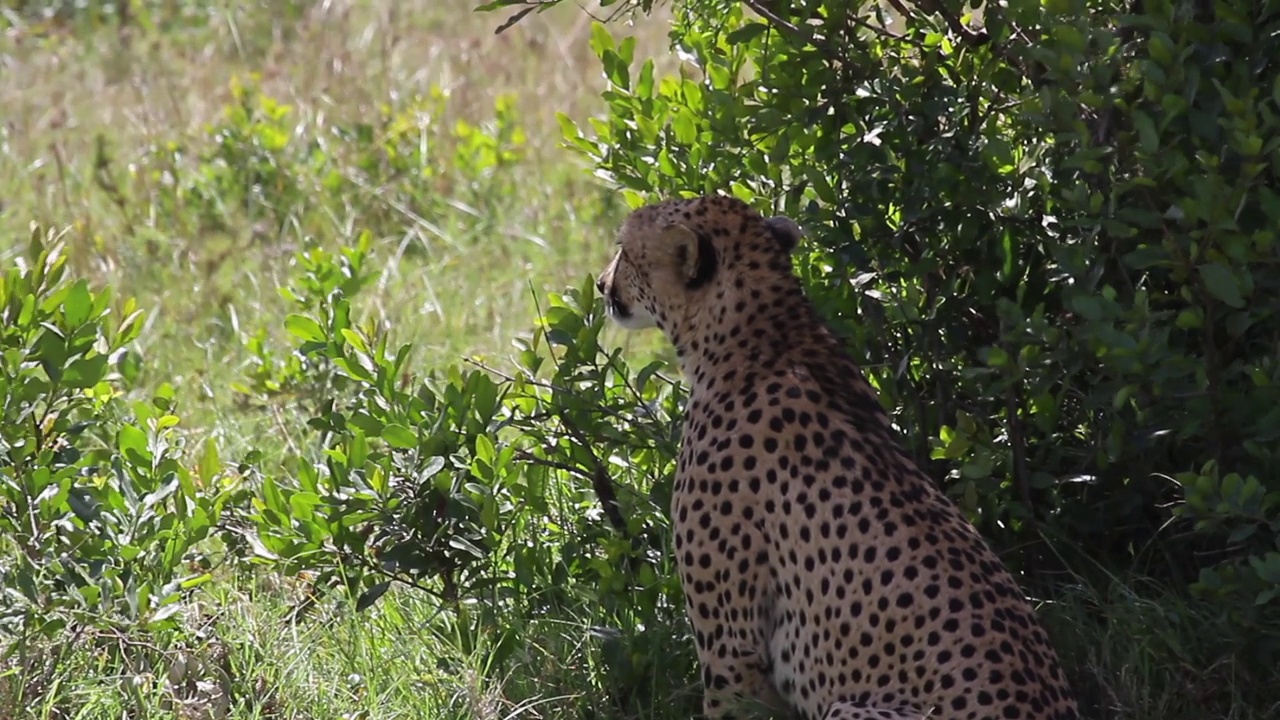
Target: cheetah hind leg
(850,711)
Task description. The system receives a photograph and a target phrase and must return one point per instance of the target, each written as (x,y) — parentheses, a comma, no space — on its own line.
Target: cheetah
(824,574)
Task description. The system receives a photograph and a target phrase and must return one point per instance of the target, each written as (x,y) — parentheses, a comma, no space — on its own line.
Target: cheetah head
(671,254)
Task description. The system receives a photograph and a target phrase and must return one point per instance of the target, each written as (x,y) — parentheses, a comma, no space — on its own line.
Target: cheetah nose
(600,285)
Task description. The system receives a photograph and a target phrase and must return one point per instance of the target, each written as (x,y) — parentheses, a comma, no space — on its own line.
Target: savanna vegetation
(308,409)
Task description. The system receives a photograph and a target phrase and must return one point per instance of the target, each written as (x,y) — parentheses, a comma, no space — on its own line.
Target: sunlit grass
(86,113)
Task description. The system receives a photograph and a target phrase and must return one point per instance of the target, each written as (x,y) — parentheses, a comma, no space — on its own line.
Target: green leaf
(353,338)
(78,304)
(685,126)
(1087,306)
(1160,46)
(460,543)
(370,596)
(129,365)
(163,398)
(353,369)
(646,374)
(997,357)
(399,436)
(302,505)
(365,422)
(627,49)
(496,4)
(746,33)
(259,547)
(821,186)
(1121,397)
(484,449)
(195,581)
(132,442)
(51,350)
(27,312)
(1146,256)
(209,464)
(644,86)
(979,467)
(357,450)
(1009,254)
(600,40)
(83,506)
(615,68)
(271,496)
(1148,138)
(1222,284)
(434,465)
(85,372)
(304,328)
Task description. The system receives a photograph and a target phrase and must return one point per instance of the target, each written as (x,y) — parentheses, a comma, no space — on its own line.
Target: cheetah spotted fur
(824,573)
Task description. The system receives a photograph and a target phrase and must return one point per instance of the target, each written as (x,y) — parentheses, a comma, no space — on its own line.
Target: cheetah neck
(746,335)
(750,324)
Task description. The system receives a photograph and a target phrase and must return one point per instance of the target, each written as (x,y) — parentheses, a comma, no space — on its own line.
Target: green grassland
(103,128)
(187,158)
(110,137)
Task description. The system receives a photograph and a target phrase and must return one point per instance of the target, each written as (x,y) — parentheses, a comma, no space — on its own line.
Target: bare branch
(515,18)
(601,481)
(759,8)
(792,29)
(901,9)
(526,456)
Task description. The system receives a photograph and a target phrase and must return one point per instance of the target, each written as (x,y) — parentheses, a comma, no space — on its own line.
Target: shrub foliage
(1049,232)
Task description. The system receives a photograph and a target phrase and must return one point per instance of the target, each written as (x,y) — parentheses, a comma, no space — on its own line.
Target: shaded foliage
(1048,233)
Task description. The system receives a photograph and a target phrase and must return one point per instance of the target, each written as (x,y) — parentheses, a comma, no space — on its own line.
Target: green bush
(104,514)
(509,497)
(263,172)
(1048,233)
(524,495)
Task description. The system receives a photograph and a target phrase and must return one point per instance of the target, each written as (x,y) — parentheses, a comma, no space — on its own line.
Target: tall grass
(124,137)
(102,121)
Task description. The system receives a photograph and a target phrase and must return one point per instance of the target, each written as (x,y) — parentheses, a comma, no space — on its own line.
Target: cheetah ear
(785,231)
(693,252)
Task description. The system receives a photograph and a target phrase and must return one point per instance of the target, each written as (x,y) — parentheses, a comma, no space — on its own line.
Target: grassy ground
(122,140)
(111,137)
(102,128)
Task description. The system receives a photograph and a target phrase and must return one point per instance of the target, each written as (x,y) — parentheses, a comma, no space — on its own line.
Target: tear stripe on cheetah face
(819,564)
